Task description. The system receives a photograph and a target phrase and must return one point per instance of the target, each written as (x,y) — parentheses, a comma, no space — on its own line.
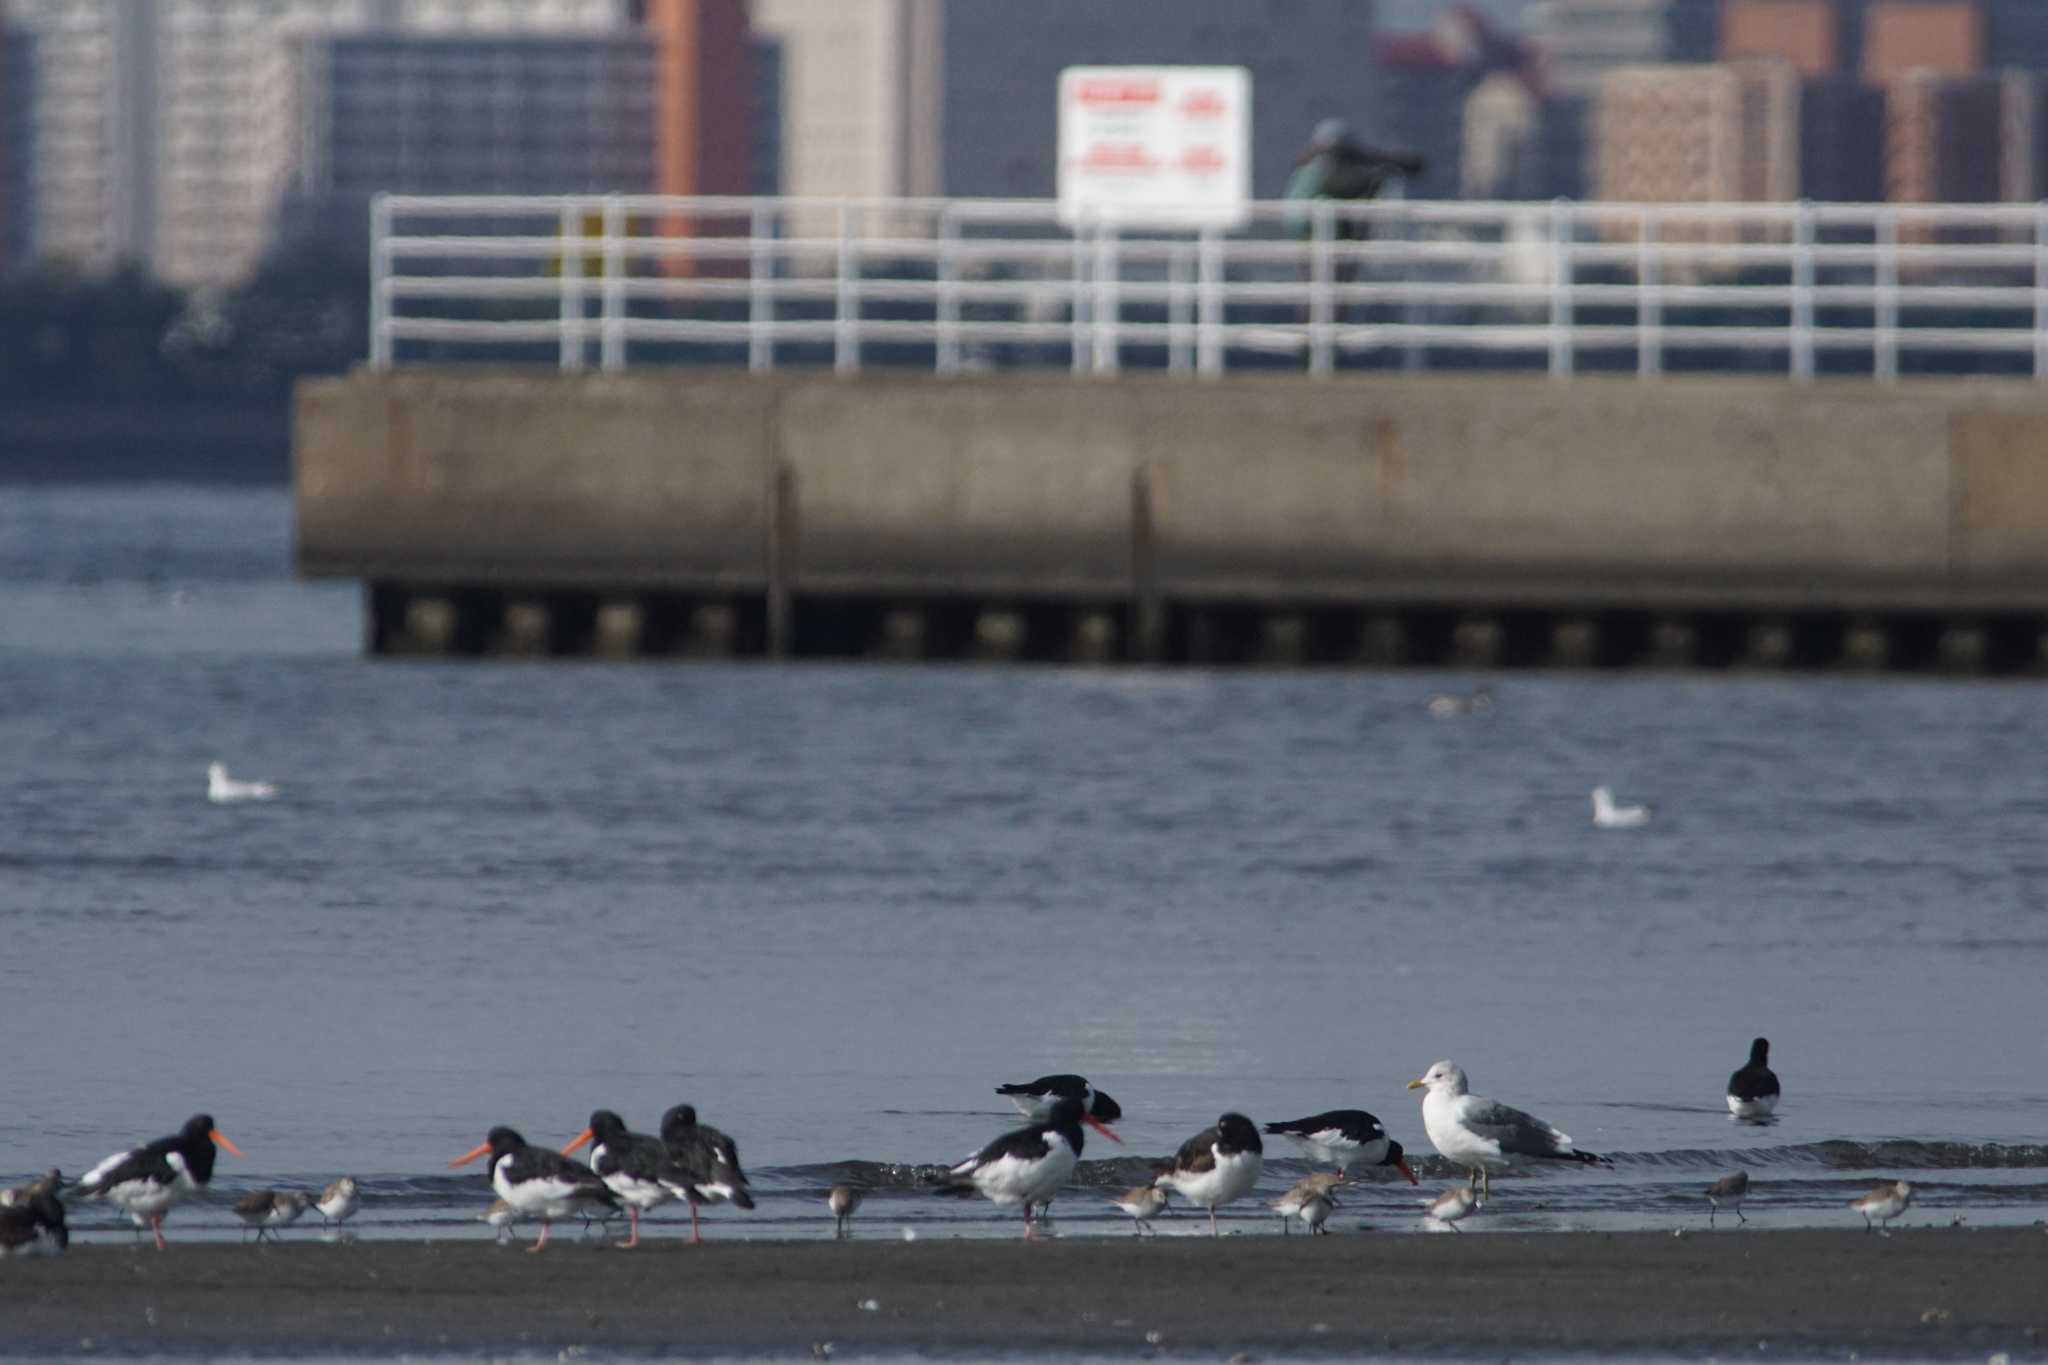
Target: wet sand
(1922,1292)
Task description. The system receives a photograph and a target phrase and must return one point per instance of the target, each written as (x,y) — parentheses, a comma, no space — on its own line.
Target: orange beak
(1099,1126)
(581,1138)
(1402,1166)
(220,1139)
(471,1155)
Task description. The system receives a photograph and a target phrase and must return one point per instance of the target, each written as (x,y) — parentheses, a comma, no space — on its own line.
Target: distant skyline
(1399,16)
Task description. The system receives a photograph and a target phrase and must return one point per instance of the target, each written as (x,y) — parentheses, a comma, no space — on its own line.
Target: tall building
(1423,80)
(1841,140)
(17,113)
(1806,33)
(1942,137)
(1698,134)
(1577,41)
(1947,37)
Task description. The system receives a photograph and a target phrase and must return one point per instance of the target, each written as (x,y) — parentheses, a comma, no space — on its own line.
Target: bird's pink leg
(156,1225)
(633,1212)
(545,1228)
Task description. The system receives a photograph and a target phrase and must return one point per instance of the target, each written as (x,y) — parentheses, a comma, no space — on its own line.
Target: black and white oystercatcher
(1348,1139)
(1025,1165)
(536,1182)
(706,1162)
(1035,1099)
(1753,1091)
(146,1182)
(633,1166)
(1217,1165)
(1485,1135)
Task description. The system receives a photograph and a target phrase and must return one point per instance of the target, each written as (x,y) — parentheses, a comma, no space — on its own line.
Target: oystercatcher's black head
(1105,1109)
(1760,1052)
(605,1126)
(196,1141)
(681,1118)
(1239,1132)
(499,1141)
(1066,1117)
(1398,1159)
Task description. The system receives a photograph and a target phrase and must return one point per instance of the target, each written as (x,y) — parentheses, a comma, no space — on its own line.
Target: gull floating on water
(1753,1090)
(1607,815)
(1485,1135)
(1450,705)
(1729,1190)
(220,788)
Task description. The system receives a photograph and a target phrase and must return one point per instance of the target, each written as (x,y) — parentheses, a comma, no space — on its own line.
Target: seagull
(1217,1165)
(1346,1138)
(1883,1204)
(269,1210)
(1607,815)
(1457,1202)
(1450,705)
(337,1203)
(706,1164)
(1753,1091)
(1729,1190)
(1485,1135)
(146,1181)
(1143,1204)
(222,789)
(843,1200)
(1309,1191)
(1026,1165)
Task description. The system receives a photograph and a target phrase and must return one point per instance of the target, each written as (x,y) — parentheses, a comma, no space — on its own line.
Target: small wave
(1844,1154)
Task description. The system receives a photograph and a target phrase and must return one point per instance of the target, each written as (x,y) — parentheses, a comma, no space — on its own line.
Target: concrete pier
(1260,520)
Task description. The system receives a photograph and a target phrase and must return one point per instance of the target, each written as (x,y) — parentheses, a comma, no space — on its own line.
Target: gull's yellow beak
(1416,1085)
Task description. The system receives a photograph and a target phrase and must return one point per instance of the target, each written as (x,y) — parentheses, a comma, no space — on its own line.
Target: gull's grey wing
(1518,1134)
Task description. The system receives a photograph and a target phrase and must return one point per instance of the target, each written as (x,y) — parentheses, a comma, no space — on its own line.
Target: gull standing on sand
(843,1200)
(1729,1190)
(1459,1201)
(1319,1189)
(1485,1135)
(1217,1165)
(1348,1139)
(1883,1204)
(1607,815)
(222,789)
(1753,1090)
(1143,1204)
(146,1182)
(1026,1165)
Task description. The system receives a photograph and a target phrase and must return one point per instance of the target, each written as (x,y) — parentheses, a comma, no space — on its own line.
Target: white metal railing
(611,281)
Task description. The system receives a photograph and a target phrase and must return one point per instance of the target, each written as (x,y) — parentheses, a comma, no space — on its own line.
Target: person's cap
(1330,132)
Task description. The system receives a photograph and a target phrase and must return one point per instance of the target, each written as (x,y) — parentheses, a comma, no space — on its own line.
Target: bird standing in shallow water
(268,1210)
(1459,1201)
(148,1181)
(1753,1090)
(1143,1204)
(1729,1190)
(337,1203)
(536,1182)
(1485,1135)
(843,1200)
(706,1163)
(1217,1165)
(1348,1139)
(1309,1190)
(1026,1165)
(633,1166)
(33,1220)
(1883,1204)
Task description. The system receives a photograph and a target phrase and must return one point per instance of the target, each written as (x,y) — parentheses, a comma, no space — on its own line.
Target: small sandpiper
(1320,1188)
(1459,1201)
(843,1200)
(1729,1190)
(501,1216)
(337,1203)
(268,1210)
(1883,1204)
(1143,1204)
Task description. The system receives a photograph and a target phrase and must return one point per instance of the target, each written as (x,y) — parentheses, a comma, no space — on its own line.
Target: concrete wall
(1484,489)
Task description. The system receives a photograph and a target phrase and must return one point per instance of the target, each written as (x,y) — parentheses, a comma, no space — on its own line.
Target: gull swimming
(1485,1135)
(221,789)
(1450,705)
(1753,1090)
(1607,815)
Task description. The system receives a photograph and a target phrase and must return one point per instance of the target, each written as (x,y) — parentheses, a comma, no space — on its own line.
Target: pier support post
(527,630)
(1477,642)
(1767,643)
(1283,639)
(1095,638)
(1866,646)
(618,630)
(903,634)
(1382,641)
(1148,605)
(782,543)
(431,625)
(1674,643)
(999,635)
(712,631)
(1574,642)
(1963,647)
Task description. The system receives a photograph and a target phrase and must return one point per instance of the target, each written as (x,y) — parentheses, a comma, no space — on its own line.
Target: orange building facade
(703,101)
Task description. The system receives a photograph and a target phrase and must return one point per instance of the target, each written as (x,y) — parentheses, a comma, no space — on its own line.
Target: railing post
(1107,308)
(1077,299)
(380,281)
(760,289)
(947,352)
(1178,361)
(1209,317)
(571,312)
(1649,295)
(2041,290)
(612,324)
(1884,357)
(1322,308)
(1562,356)
(846,297)
(1802,293)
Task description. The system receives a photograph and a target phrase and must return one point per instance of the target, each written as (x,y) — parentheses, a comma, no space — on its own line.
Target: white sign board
(1155,146)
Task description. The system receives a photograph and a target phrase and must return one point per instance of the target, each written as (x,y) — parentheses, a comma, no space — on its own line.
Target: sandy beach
(1924,1292)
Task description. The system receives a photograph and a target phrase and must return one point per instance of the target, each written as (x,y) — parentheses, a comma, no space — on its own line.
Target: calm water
(833,907)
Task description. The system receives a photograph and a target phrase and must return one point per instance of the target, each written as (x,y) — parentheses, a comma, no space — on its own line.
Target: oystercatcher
(1311,1199)
(1753,1090)
(337,1203)
(1217,1165)
(1026,1165)
(1349,1139)
(147,1181)
(1035,1099)
(33,1221)
(1485,1135)
(707,1164)
(843,1200)
(536,1182)
(268,1210)
(1729,1190)
(632,1166)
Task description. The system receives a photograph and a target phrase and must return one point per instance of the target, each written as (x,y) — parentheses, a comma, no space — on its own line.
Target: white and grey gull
(1485,1135)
